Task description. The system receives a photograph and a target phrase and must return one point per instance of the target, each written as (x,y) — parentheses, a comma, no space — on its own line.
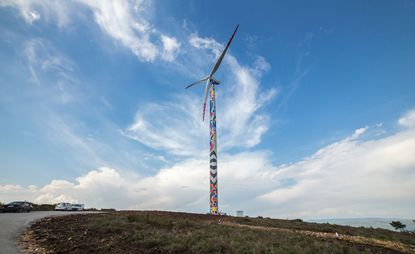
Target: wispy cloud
(35,10)
(170,47)
(244,122)
(301,70)
(62,105)
(44,63)
(124,21)
(117,20)
(408,120)
(59,108)
(176,126)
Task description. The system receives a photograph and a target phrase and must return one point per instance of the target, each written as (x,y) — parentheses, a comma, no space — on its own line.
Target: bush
(244,220)
(43,207)
(108,210)
(398,225)
(297,220)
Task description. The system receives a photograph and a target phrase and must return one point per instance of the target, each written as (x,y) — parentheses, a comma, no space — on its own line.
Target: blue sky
(313,97)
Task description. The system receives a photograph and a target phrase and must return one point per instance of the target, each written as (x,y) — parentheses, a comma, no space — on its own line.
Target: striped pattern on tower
(213,155)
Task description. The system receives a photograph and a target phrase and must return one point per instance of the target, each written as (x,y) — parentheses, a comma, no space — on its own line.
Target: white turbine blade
(207,89)
(196,82)
(219,61)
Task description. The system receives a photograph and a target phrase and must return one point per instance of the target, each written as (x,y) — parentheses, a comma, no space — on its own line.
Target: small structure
(69,207)
(63,207)
(239,213)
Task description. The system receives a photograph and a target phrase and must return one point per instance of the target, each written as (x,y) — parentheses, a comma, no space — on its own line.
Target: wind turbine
(210,89)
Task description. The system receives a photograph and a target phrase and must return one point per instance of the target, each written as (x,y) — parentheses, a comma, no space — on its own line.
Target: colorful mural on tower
(213,155)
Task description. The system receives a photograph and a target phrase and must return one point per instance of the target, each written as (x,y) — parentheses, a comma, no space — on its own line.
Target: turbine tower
(210,90)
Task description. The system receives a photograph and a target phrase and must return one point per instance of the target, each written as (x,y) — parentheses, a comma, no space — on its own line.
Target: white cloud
(175,127)
(31,16)
(261,65)
(10,187)
(349,178)
(243,122)
(359,132)
(170,47)
(125,22)
(34,10)
(408,120)
(205,43)
(117,20)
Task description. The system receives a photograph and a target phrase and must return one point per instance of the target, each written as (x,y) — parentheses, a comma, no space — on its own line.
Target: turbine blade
(207,88)
(219,61)
(196,82)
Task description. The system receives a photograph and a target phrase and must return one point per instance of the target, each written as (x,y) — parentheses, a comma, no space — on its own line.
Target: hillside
(169,232)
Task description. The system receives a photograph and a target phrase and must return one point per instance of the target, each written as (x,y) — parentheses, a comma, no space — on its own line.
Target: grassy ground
(378,233)
(165,232)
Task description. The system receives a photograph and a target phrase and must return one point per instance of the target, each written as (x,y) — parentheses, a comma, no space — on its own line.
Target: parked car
(77,207)
(18,207)
(63,207)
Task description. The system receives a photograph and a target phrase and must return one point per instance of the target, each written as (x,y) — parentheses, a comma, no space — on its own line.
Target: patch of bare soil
(28,244)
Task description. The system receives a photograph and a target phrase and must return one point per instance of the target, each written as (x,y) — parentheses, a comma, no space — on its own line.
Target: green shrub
(43,207)
(398,225)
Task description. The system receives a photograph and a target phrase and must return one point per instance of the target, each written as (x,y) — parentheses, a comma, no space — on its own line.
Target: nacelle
(215,82)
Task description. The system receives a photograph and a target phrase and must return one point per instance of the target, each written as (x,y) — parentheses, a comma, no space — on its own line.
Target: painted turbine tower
(210,91)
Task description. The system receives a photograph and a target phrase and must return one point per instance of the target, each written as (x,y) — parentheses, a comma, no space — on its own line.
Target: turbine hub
(215,82)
